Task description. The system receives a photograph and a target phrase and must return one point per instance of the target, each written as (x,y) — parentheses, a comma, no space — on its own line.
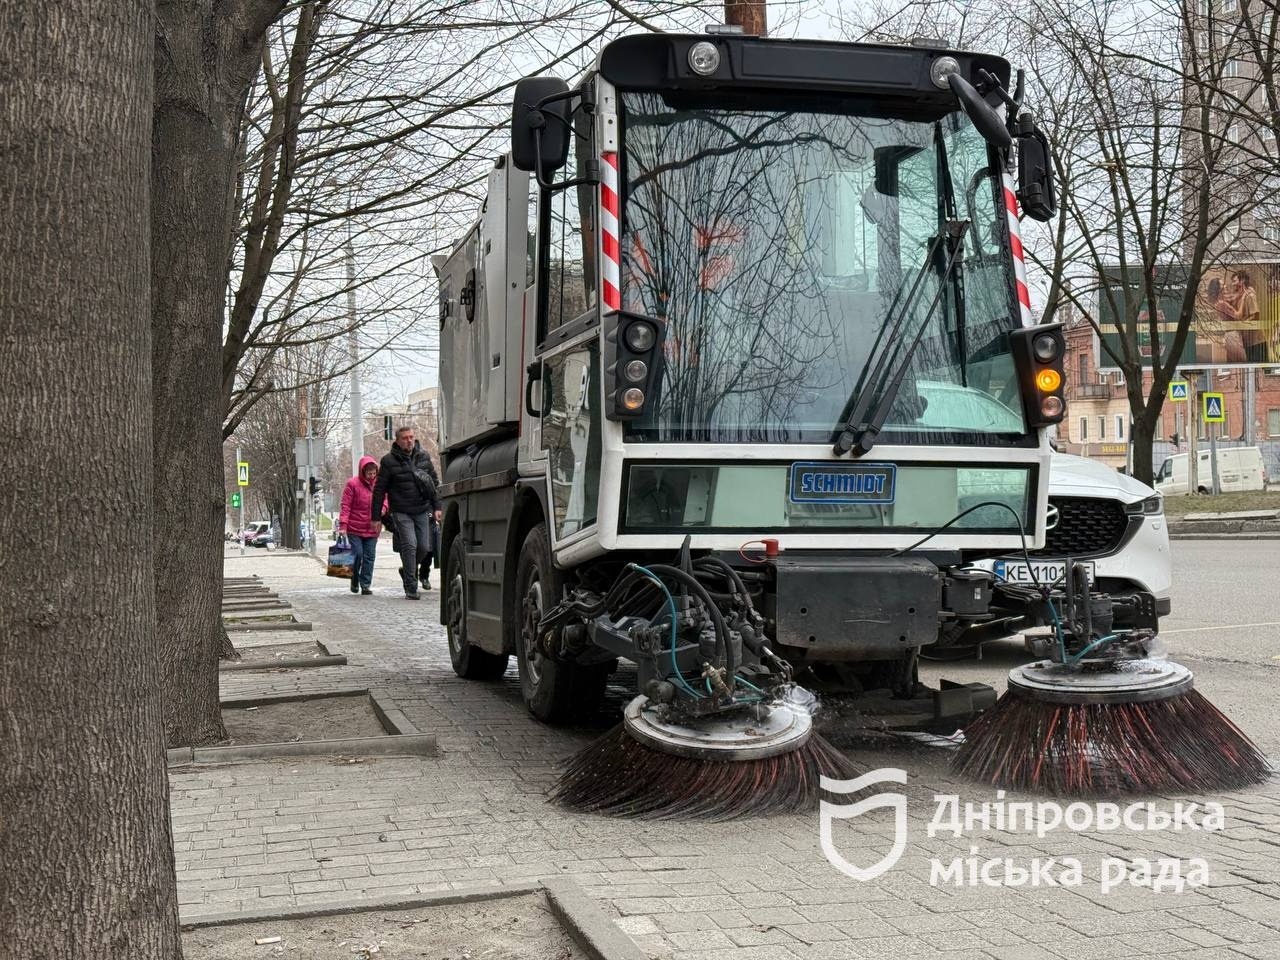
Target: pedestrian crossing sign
(242,473)
(1214,409)
(1177,390)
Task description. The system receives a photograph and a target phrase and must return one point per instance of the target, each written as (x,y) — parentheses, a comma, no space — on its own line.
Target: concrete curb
(589,926)
(333,660)
(325,908)
(415,745)
(236,626)
(391,717)
(1224,536)
(292,697)
(402,737)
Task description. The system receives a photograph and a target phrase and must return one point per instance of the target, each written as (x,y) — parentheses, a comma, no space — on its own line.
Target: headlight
(1151,507)
(704,58)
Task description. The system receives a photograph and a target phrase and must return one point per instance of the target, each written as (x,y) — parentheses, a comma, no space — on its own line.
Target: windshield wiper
(859,430)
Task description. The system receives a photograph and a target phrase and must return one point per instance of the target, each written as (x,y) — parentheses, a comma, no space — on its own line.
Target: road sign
(242,473)
(1177,390)
(1215,411)
(235,500)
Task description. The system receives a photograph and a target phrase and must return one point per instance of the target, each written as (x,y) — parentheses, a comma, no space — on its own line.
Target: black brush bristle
(619,776)
(1183,743)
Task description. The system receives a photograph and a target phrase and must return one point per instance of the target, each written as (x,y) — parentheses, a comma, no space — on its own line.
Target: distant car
(1110,522)
(1239,469)
(254,530)
(264,539)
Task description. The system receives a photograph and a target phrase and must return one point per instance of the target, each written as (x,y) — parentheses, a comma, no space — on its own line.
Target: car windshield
(775,244)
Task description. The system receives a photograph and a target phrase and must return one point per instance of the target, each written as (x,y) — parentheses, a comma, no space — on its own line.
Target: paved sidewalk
(260,834)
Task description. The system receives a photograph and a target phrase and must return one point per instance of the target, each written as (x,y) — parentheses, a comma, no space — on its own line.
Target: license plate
(1046,571)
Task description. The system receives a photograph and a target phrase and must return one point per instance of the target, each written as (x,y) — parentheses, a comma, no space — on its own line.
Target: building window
(1203,7)
(1227,6)
(1083,363)
(1231,68)
(1273,423)
(1102,428)
(1084,429)
(1119,426)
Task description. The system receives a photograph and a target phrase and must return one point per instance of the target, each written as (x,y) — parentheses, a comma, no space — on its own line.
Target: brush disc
(654,770)
(1139,729)
(752,733)
(1124,681)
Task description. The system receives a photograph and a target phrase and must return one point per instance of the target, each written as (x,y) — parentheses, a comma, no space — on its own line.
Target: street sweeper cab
(739,377)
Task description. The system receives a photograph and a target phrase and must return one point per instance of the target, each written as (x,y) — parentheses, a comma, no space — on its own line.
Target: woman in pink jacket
(354,523)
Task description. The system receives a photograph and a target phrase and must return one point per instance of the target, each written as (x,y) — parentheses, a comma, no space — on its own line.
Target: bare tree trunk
(84,821)
(1144,435)
(206,57)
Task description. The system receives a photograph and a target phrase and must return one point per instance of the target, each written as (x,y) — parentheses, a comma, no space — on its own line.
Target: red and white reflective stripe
(610,262)
(1019,257)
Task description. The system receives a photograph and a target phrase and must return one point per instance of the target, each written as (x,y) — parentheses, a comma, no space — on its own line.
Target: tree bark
(206,57)
(84,823)
(1143,437)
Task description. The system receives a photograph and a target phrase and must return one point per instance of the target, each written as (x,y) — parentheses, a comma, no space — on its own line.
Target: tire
(553,692)
(469,661)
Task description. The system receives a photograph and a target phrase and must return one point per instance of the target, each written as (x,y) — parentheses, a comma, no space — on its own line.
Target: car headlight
(1151,507)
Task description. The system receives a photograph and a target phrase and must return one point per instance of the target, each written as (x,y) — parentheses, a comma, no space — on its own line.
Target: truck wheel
(553,692)
(469,661)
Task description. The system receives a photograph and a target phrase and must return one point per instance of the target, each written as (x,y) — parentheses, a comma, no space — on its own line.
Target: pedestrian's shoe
(355,587)
(412,596)
(426,583)
(366,591)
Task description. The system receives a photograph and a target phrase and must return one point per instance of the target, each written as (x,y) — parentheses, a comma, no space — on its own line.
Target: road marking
(1228,626)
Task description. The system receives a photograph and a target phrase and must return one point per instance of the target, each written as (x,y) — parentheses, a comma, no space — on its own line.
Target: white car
(1112,523)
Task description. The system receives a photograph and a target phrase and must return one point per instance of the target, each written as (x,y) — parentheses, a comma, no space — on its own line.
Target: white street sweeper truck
(739,377)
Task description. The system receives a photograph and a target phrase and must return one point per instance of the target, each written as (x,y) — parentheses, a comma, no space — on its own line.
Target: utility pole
(1250,406)
(750,15)
(357,411)
(1193,431)
(241,530)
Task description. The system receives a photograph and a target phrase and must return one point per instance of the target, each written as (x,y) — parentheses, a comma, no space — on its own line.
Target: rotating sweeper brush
(721,730)
(1103,714)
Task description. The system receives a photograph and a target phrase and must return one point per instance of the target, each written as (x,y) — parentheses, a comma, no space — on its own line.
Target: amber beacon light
(1038,355)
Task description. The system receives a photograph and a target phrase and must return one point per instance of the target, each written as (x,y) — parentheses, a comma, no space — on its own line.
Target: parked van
(1239,468)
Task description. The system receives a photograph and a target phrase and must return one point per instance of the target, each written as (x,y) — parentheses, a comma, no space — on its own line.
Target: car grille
(1086,526)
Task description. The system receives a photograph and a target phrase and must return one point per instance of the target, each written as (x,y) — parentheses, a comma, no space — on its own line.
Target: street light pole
(357,412)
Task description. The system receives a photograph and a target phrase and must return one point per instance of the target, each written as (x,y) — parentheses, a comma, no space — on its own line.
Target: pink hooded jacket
(356,501)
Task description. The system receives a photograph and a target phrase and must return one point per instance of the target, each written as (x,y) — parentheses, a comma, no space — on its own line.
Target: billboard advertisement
(1236,323)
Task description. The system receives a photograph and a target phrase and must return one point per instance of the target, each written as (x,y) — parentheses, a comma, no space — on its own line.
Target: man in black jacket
(407,478)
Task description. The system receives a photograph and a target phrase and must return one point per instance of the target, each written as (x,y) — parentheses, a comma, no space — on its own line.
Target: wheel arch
(528,511)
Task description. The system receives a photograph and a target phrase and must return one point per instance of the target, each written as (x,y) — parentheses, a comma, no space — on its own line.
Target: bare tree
(207,54)
(85,838)
(1153,184)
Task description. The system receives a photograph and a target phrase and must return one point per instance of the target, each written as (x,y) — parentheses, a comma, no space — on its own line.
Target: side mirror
(1037,191)
(540,129)
(980,113)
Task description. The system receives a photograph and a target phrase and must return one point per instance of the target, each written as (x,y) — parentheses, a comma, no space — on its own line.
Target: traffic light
(315,485)
(388,428)
(1175,439)
(235,500)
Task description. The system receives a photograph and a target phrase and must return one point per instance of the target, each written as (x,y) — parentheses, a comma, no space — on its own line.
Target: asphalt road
(1225,626)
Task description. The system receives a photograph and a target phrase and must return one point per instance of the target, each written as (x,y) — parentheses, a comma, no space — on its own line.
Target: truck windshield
(775,241)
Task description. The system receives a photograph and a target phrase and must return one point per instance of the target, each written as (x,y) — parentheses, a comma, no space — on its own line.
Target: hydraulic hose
(724,649)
